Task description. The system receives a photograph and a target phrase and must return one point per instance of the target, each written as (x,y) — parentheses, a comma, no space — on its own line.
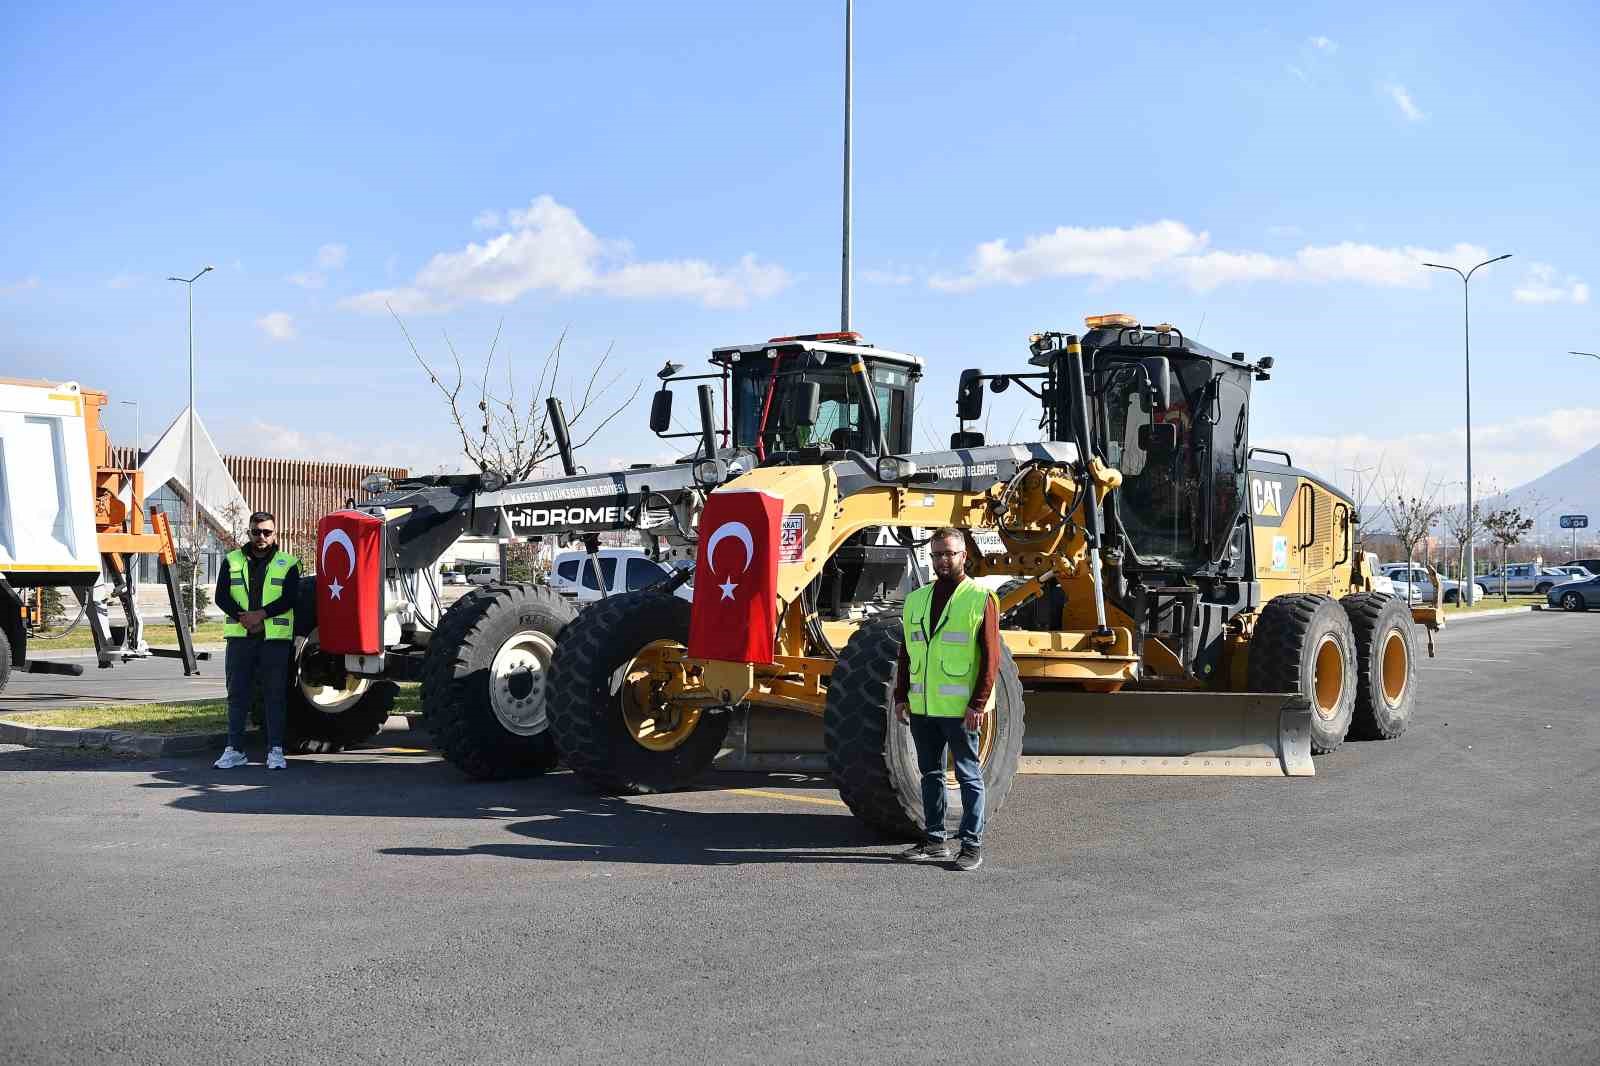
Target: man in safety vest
(257,590)
(947,669)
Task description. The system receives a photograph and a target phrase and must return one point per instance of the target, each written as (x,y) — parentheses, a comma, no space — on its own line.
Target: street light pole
(138,447)
(194,495)
(844,260)
(1469,575)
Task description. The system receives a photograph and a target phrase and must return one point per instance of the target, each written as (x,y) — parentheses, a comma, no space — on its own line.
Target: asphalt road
(1427,900)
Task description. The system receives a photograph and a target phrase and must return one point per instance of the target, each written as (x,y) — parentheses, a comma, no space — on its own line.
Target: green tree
(1506,527)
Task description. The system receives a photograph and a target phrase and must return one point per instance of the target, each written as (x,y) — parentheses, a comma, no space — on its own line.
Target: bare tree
(1506,526)
(1412,514)
(508,428)
(1463,526)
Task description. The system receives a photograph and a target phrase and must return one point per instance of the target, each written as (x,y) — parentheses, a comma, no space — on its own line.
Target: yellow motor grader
(1173,602)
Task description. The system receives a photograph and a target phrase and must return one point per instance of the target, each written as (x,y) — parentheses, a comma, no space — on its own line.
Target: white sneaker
(275,759)
(231,757)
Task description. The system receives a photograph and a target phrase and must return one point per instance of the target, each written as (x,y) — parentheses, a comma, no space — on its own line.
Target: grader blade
(1237,734)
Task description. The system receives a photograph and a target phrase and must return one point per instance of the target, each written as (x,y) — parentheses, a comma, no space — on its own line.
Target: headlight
(710,471)
(373,484)
(894,468)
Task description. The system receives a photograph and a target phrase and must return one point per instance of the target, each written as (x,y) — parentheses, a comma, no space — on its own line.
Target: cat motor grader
(482,660)
(1176,603)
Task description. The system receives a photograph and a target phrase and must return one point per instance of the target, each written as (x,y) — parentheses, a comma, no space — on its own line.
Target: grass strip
(43,645)
(163,719)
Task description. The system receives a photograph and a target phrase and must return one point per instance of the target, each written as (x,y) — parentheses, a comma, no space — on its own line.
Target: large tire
(870,753)
(1304,643)
(485,680)
(1572,601)
(1386,665)
(328,717)
(605,713)
(5,659)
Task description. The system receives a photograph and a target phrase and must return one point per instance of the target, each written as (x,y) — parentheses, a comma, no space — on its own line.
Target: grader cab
(1173,603)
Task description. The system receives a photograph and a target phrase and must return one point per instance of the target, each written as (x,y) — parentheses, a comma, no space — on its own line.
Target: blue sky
(659,179)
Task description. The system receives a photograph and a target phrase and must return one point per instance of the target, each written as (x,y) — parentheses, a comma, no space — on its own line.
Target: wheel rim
(329,699)
(1329,678)
(1396,667)
(986,735)
(654,723)
(517,681)
(1570,601)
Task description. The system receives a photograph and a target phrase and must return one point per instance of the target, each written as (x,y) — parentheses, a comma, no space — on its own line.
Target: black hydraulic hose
(858,366)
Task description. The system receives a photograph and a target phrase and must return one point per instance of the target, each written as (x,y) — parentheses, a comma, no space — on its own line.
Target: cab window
(608,573)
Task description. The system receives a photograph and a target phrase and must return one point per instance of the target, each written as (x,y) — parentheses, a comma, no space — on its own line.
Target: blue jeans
(932,735)
(248,659)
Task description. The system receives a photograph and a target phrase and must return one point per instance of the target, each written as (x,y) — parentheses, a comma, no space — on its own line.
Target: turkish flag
(736,577)
(350,583)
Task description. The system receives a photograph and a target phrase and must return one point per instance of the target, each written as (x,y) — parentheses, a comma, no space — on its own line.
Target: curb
(41,650)
(45,736)
(1503,612)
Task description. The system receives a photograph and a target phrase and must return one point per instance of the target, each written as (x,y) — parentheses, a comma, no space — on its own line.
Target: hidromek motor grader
(1177,606)
(374,616)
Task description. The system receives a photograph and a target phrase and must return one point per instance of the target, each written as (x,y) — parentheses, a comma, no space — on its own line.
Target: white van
(621,570)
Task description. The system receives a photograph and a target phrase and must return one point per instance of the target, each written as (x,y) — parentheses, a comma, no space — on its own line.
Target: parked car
(1577,573)
(482,574)
(1575,595)
(621,570)
(1381,582)
(453,577)
(1523,578)
(1411,583)
(1591,565)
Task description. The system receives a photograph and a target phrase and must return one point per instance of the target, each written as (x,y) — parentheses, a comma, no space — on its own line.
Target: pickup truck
(1523,578)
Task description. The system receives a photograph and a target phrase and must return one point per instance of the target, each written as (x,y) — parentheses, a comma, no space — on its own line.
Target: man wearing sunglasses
(948,664)
(257,590)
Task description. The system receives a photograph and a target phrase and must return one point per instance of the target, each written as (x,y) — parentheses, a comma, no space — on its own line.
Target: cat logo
(1266,496)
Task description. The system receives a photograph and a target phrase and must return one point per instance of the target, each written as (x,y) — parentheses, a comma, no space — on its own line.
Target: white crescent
(738,530)
(339,537)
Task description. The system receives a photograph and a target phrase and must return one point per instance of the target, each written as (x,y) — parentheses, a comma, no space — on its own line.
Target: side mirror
(969,396)
(805,403)
(661,411)
(966,439)
(1160,373)
(1159,440)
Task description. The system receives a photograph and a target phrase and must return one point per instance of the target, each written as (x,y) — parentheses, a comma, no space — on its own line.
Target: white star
(727,588)
(335,588)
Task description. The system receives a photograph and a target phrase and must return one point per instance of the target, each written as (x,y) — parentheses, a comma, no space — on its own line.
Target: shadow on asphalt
(554,818)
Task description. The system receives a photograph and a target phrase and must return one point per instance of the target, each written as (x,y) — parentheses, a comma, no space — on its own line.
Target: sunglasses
(948,555)
(262,532)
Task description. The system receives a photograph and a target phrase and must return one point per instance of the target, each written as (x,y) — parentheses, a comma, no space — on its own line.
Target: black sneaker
(970,859)
(927,851)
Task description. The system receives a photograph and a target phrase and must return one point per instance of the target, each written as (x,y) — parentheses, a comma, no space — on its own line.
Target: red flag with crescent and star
(736,577)
(350,583)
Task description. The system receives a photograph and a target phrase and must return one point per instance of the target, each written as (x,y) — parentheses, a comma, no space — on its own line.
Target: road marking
(763,793)
(1455,659)
(392,751)
(1447,669)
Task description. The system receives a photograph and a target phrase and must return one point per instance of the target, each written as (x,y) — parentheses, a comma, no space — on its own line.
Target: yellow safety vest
(943,653)
(277,627)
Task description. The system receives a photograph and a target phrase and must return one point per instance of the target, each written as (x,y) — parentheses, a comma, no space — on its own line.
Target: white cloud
(332,256)
(1324,44)
(1504,455)
(1170,249)
(307,279)
(19,286)
(285,442)
(278,326)
(1402,99)
(1297,72)
(123,281)
(486,220)
(548,248)
(1544,285)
